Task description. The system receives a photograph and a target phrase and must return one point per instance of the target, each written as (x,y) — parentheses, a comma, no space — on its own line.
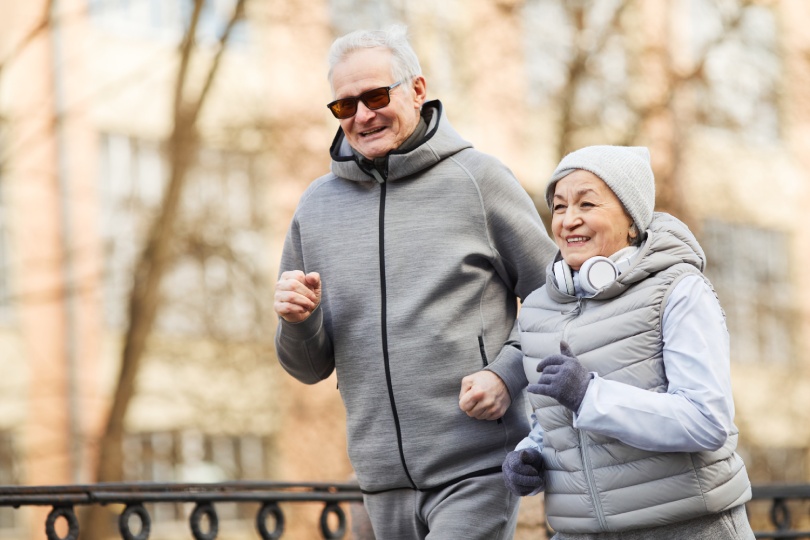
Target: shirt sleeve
(533,440)
(697,410)
(535,437)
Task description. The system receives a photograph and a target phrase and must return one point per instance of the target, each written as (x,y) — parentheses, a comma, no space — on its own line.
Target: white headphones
(594,274)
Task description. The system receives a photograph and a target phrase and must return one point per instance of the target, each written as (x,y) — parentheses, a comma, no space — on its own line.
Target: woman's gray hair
(404,64)
(634,239)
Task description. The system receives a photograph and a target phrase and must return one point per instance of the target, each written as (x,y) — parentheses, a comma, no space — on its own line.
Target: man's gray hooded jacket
(420,271)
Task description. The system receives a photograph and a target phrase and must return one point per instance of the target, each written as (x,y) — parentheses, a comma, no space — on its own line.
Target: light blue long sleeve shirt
(697,410)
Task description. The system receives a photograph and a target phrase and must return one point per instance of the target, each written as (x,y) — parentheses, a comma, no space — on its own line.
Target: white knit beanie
(625,169)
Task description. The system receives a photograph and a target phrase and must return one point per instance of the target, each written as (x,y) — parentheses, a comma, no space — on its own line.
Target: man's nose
(363,113)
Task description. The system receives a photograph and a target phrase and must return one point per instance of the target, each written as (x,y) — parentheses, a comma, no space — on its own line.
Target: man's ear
(419,86)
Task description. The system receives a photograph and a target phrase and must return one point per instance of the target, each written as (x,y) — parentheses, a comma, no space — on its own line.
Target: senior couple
(402,272)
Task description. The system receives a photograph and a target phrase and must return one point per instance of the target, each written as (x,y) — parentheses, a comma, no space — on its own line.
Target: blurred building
(87,105)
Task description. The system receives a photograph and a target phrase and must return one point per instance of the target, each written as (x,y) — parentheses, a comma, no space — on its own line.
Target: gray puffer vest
(596,483)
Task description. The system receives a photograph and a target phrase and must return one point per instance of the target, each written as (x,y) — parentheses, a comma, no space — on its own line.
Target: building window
(167,19)
(9,476)
(193,457)
(5,263)
(348,15)
(749,267)
(217,284)
(740,87)
(729,70)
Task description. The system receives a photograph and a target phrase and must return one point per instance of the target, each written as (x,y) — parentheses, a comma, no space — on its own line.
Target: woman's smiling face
(587,219)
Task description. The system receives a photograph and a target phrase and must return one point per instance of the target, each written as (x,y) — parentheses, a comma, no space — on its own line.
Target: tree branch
(43,25)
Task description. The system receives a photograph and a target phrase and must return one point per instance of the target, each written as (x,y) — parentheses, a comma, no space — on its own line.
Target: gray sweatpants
(478,508)
(729,525)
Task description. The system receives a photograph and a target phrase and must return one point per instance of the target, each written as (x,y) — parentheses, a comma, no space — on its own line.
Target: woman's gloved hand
(562,377)
(523,472)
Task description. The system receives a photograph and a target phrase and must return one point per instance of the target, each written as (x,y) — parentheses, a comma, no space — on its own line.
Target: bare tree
(619,80)
(17,48)
(154,260)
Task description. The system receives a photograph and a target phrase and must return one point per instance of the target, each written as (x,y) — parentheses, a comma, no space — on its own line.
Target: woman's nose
(571,218)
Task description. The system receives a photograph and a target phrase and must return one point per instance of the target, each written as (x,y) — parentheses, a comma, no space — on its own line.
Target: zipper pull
(578,309)
(377,175)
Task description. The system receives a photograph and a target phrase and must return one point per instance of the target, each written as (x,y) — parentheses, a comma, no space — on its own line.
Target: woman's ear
(632,235)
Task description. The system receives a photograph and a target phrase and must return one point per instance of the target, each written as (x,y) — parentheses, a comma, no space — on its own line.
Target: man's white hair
(404,62)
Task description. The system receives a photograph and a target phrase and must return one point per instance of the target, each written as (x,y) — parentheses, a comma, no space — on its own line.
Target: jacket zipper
(384,329)
(588,467)
(482,350)
(574,313)
(583,446)
(484,360)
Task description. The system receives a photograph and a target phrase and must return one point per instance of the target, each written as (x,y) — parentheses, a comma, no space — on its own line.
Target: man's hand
(297,295)
(484,396)
(562,377)
(523,472)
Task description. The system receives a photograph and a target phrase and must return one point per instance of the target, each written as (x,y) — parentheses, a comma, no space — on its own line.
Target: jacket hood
(669,242)
(440,141)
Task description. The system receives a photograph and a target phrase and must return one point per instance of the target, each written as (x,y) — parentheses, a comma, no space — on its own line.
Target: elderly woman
(627,349)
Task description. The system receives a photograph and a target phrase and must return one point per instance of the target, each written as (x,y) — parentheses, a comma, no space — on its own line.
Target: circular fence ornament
(204,509)
(270,509)
(340,532)
(123,522)
(72,522)
(780,515)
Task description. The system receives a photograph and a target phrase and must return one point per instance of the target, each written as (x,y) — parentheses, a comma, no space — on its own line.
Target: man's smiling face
(376,133)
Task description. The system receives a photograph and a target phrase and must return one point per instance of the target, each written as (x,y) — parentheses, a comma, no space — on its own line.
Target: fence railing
(788,503)
(782,498)
(134,522)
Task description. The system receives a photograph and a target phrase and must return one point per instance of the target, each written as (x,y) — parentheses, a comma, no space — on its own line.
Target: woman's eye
(558,208)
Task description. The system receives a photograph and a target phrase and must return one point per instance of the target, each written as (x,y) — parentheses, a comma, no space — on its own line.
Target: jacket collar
(669,241)
(440,141)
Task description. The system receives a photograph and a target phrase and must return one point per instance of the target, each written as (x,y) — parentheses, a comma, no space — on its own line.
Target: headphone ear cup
(565,280)
(597,272)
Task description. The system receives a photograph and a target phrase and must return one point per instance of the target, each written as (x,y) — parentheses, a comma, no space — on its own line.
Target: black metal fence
(134,522)
(787,506)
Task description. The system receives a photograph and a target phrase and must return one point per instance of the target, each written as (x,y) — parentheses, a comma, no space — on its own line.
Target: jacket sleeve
(304,349)
(522,250)
(521,246)
(508,365)
(697,410)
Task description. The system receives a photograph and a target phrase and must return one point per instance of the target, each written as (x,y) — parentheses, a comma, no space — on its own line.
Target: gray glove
(562,377)
(523,472)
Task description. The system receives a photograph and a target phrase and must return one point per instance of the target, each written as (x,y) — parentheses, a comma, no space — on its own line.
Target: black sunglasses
(373,99)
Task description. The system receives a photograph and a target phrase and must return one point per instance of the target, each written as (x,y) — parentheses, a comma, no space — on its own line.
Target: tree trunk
(151,267)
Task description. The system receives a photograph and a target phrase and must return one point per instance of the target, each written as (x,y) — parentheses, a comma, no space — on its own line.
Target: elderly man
(401,271)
